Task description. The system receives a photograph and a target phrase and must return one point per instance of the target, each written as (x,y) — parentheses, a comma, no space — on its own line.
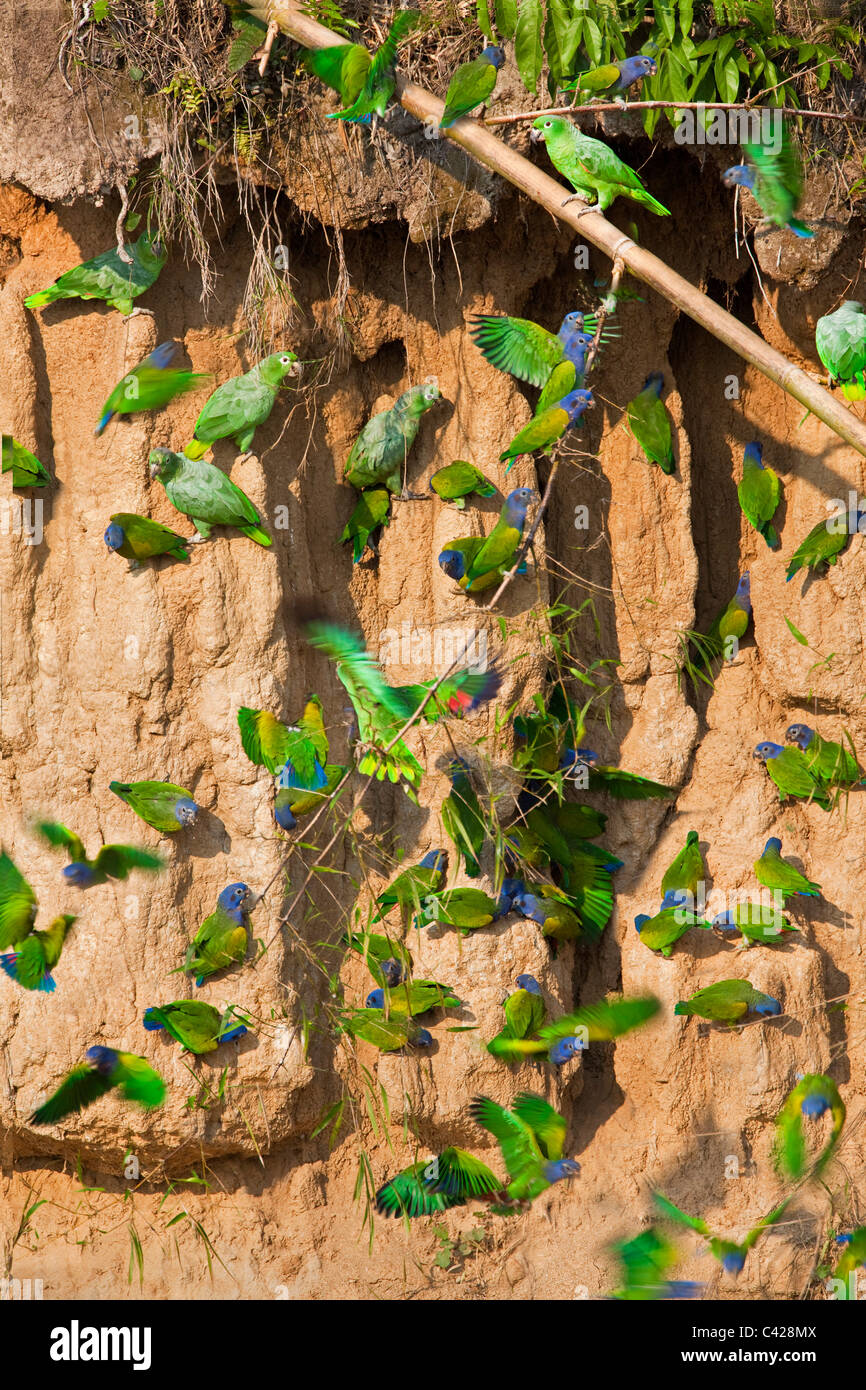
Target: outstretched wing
(358,671)
(518,346)
(610,1018)
(461,1173)
(118,860)
(138,1081)
(547,1124)
(515,1138)
(61,838)
(17,903)
(81,1087)
(769,1220)
(677,1214)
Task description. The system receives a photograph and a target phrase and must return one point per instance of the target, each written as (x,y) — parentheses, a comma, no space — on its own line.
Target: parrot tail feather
(646,200)
(799,229)
(109,415)
(10,965)
(771,535)
(232,1034)
(36,301)
(256,533)
(151,1022)
(196,449)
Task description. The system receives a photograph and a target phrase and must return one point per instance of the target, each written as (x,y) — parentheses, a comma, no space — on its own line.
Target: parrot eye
(285,361)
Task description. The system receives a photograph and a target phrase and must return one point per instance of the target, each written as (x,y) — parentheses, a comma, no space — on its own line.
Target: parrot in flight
(205,495)
(759,492)
(237,408)
(108,277)
(840,339)
(853,1257)
(25,467)
(221,940)
(450,1179)
(729,1001)
(103,1069)
(792,773)
(198,1027)
(300,750)
(601,1022)
(531,1138)
(591,167)
(472,84)
(830,761)
(381,80)
(825,542)
(149,386)
(649,422)
(812,1097)
(458,480)
(645,1262)
(112,861)
(161,804)
(137,538)
(379,454)
(775,179)
(775,873)
(613,79)
(730,1254)
(36,952)
(343,67)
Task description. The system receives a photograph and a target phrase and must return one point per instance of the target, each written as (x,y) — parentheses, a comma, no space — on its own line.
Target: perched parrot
(733,621)
(591,167)
(729,1001)
(547,427)
(137,538)
(840,338)
(463,908)
(462,817)
(412,885)
(381,709)
(387,959)
(379,454)
(775,179)
(531,1137)
(524,1011)
(496,555)
(673,919)
(472,85)
(612,79)
(759,492)
(568,374)
(687,870)
(300,750)
(542,740)
(196,1026)
(149,386)
(371,514)
(163,805)
(529,352)
(791,771)
(237,408)
(812,1096)
(553,911)
(343,67)
(645,1262)
(30,965)
(108,277)
(411,999)
(25,467)
(105,1069)
(825,542)
(756,924)
(451,1179)
(775,873)
(458,480)
(730,1254)
(221,940)
(649,422)
(387,1034)
(853,1257)
(601,1022)
(625,786)
(18,904)
(381,79)
(829,760)
(292,802)
(112,861)
(205,495)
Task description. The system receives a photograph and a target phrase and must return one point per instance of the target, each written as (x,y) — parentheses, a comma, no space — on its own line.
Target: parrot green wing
(119,860)
(759,492)
(524,1014)
(235,406)
(25,467)
(515,1049)
(379,83)
(646,1262)
(548,1126)
(541,432)
(840,339)
(520,1151)
(146,538)
(80,1088)
(409,1194)
(467,908)
(792,774)
(682,1218)
(462,1174)
(464,823)
(266,740)
(779,177)
(626,786)
(371,511)
(790,1148)
(360,674)
(343,67)
(601,1022)
(517,346)
(760,1226)
(595,80)
(371,1026)
(471,84)
(687,869)
(458,479)
(822,546)
(650,424)
(724,1002)
(138,1081)
(57,835)
(17,904)
(561,381)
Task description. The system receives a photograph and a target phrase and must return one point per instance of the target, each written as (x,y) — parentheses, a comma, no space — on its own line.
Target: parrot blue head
(744,592)
(375,999)
(576,402)
(844,1238)
(724,921)
(453,562)
(572,323)
(654,382)
(162,356)
(511,888)
(114,536)
(186,810)
(675,897)
(529,983)
(768,1006)
(517,504)
(641,921)
(754,453)
(494,55)
(814,1106)
(733,1262)
(528,905)
(587,756)
(765,751)
(773,846)
(738,174)
(392,972)
(81,875)
(233,898)
(422,1038)
(102,1059)
(560,1169)
(434,860)
(563,1050)
(638,66)
(575,346)
(800,734)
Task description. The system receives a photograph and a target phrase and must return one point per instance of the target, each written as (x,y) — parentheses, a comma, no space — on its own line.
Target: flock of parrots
(548,863)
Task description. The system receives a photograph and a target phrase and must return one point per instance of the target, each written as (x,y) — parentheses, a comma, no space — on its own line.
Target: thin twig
(119,226)
(594,106)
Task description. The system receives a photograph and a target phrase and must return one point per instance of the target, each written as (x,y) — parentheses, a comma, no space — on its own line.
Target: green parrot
(600,777)
(462,817)
(733,621)
(108,277)
(381,80)
(379,454)
(472,85)
(775,873)
(241,404)
(646,1261)
(221,940)
(496,555)
(463,908)
(529,352)
(301,749)
(542,740)
(411,885)
(729,1001)
(790,769)
(149,386)
(756,924)
(853,1257)
(614,78)
(163,805)
(458,480)
(840,338)
(591,167)
(451,1179)
(18,904)
(387,1034)
(31,964)
(387,959)
(412,998)
(548,426)
(601,1022)
(205,495)
(824,543)
(198,1027)
(370,514)
(137,538)
(531,1137)
(343,67)
(524,1012)
(812,1096)
(730,1254)
(292,802)
(829,760)
(759,492)
(25,467)
(104,1069)
(112,861)
(673,919)
(774,177)
(649,422)
(688,868)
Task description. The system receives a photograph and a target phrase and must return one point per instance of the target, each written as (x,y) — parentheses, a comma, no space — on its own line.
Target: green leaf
(686,16)
(796,633)
(592,41)
(506,17)
(665,18)
(562,35)
(528,52)
(482,15)
(132,221)
(100,10)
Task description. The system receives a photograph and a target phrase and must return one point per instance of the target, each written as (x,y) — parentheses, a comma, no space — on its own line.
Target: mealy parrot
(104,1069)
(812,1097)
(241,404)
(112,861)
(30,965)
(730,1254)
(196,1026)
(472,84)
(649,422)
(792,773)
(688,869)
(591,167)
(343,67)
(825,542)
(673,919)
(625,786)
(387,1034)
(291,802)
(524,1011)
(775,179)
(379,454)
(25,467)
(221,940)
(412,885)
(759,492)
(527,351)
(840,339)
(108,277)
(433,1185)
(463,818)
(370,514)
(204,494)
(149,386)
(163,805)
(829,760)
(459,480)
(733,621)
(387,959)
(463,908)
(646,1261)
(853,1256)
(601,1022)
(497,552)
(137,538)
(775,873)
(729,1001)
(381,80)
(300,750)
(612,79)
(545,429)
(412,998)
(756,924)
(531,1137)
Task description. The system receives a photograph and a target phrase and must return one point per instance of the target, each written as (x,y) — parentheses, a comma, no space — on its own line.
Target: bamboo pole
(483,146)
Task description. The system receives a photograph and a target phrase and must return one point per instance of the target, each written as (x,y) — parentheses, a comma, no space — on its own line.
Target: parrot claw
(197,539)
(135,313)
(407,496)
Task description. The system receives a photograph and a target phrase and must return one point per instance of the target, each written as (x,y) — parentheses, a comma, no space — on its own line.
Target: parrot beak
(153,470)
(535,136)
